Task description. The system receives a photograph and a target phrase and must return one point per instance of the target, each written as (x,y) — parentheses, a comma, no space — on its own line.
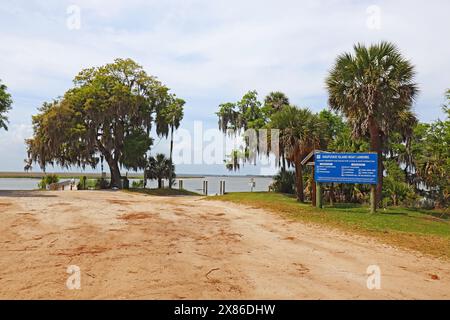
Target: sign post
(319,195)
(361,168)
(373,198)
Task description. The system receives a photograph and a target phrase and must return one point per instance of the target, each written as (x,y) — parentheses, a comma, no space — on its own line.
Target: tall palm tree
(159,168)
(5,106)
(276,101)
(170,120)
(372,87)
(273,103)
(300,132)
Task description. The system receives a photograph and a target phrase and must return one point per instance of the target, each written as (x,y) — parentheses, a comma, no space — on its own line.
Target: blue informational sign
(346,167)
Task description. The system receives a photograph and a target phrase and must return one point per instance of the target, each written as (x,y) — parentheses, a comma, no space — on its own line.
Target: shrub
(48,180)
(398,192)
(137,184)
(102,184)
(284,182)
(82,185)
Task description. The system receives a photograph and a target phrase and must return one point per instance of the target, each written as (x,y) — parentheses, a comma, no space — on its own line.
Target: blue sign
(346,167)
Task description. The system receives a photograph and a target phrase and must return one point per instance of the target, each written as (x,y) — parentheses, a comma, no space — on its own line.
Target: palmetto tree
(300,132)
(275,101)
(372,87)
(5,106)
(170,120)
(159,168)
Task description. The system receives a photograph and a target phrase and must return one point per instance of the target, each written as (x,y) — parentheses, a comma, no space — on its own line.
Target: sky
(210,52)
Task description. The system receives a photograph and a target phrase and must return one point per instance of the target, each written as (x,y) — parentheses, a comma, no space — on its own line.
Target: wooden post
(252,184)
(373,198)
(205,187)
(222,187)
(314,191)
(319,195)
(180,184)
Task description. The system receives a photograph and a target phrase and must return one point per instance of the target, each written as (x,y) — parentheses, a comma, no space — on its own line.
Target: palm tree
(300,132)
(276,101)
(160,168)
(5,106)
(170,120)
(372,88)
(273,103)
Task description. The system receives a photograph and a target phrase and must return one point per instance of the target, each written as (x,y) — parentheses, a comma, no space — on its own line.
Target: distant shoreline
(93,175)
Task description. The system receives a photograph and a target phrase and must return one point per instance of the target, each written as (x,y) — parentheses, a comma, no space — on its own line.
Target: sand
(131,246)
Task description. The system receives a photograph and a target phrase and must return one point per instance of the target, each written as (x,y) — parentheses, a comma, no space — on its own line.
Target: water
(232,184)
(18,184)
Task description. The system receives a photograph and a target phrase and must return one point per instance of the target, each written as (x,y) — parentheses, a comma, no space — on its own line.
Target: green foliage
(102,184)
(107,113)
(274,102)
(374,88)
(337,134)
(170,117)
(5,106)
(83,183)
(242,115)
(284,182)
(160,168)
(395,189)
(136,144)
(47,181)
(431,160)
(137,184)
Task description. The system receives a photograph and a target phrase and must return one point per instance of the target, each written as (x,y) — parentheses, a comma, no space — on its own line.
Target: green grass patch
(426,231)
(163,192)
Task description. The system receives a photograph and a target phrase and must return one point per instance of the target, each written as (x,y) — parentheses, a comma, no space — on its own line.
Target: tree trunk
(159,183)
(375,146)
(313,188)
(115,174)
(171,152)
(299,178)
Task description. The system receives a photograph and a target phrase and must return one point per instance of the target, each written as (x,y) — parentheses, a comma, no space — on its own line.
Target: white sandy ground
(131,246)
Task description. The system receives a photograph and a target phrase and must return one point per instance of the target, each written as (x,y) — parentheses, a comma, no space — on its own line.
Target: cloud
(210,52)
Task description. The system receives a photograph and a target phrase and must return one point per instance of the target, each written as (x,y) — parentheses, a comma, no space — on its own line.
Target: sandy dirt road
(131,246)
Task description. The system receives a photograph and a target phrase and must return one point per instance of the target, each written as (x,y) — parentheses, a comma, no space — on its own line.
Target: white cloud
(213,51)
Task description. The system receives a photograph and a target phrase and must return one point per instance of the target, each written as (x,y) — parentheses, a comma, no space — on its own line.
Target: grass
(425,231)
(163,192)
